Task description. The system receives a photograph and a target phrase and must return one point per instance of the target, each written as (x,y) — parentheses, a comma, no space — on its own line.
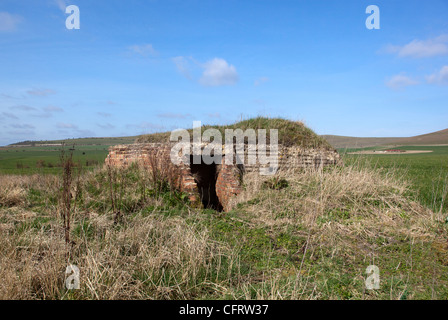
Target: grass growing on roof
(290,133)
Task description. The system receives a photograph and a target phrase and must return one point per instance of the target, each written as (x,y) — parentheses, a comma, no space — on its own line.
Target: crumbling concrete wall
(155,156)
(228,183)
(228,176)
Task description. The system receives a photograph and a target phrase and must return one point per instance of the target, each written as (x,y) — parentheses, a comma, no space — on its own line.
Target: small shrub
(276,183)
(10,197)
(40,164)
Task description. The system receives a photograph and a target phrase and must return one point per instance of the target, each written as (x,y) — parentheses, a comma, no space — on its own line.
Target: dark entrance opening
(205,177)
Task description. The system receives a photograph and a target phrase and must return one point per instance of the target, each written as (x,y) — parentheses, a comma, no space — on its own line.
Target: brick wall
(228,184)
(229,177)
(155,155)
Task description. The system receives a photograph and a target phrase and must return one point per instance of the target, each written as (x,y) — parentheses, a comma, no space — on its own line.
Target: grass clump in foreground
(313,238)
(426,172)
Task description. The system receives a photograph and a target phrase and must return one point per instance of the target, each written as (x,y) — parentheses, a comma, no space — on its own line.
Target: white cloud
(62,125)
(260,102)
(23,108)
(400,81)
(9,115)
(171,115)
(85,133)
(9,22)
(40,92)
(106,126)
(20,132)
(144,50)
(147,126)
(260,81)
(214,115)
(440,77)
(217,72)
(53,109)
(72,130)
(7,96)
(42,115)
(104,114)
(422,48)
(62,4)
(182,66)
(22,126)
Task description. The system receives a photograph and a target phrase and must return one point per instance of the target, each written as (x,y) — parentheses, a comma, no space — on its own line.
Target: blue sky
(137,67)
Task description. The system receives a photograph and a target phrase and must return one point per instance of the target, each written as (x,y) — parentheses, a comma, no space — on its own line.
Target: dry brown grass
(147,257)
(151,259)
(348,218)
(337,221)
(359,194)
(13,188)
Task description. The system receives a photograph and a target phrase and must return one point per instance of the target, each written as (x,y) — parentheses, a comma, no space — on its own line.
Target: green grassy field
(30,160)
(29,157)
(427,172)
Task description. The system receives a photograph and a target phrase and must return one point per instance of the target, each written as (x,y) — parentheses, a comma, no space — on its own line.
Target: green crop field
(427,172)
(29,157)
(30,160)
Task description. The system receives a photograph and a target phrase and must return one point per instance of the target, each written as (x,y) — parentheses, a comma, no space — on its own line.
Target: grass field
(43,160)
(135,238)
(426,172)
(29,157)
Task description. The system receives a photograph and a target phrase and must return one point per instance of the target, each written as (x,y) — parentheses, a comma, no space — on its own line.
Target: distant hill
(356,142)
(78,142)
(434,138)
(438,137)
(290,133)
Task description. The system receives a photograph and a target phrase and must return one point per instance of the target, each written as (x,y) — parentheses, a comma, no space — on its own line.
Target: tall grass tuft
(66,160)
